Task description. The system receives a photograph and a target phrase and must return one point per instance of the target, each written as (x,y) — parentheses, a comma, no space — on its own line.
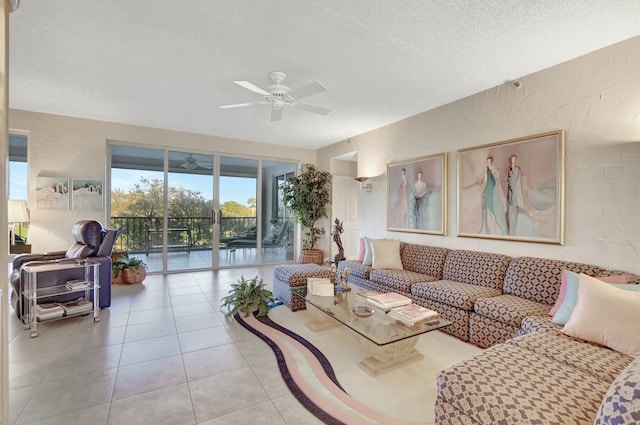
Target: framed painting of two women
(417,195)
(513,190)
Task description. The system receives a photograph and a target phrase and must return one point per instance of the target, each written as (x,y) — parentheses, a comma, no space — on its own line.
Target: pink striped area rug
(311,379)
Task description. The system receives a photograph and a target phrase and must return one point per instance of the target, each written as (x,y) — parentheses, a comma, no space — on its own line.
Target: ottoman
(289,276)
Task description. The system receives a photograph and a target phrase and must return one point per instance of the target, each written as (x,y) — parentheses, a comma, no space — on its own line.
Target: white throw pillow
(368,252)
(606,315)
(386,254)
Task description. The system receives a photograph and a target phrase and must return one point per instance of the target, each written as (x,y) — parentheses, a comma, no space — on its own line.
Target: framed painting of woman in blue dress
(417,195)
(513,190)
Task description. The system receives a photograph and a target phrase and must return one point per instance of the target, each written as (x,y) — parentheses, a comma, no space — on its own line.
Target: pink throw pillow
(361,252)
(617,278)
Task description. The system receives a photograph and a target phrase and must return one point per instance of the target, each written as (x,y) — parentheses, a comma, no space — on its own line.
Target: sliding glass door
(189,231)
(183,210)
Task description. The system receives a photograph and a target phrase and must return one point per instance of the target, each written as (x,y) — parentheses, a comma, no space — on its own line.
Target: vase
(312,256)
(134,276)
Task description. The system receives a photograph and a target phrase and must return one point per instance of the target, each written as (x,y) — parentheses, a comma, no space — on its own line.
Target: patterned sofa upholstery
(467,276)
(531,287)
(542,378)
(421,263)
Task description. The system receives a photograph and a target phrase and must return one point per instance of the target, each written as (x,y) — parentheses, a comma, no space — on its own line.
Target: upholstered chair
(92,242)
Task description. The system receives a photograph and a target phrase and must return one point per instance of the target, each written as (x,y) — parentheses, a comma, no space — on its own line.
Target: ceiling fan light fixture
(280,96)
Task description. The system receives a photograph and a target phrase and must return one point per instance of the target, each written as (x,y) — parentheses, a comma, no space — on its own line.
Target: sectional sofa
(532,373)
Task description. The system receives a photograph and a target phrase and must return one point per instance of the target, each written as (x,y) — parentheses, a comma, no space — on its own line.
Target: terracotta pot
(132,277)
(313,256)
(116,279)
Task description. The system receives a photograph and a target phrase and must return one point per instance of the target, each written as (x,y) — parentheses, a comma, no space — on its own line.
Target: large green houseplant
(308,195)
(247,296)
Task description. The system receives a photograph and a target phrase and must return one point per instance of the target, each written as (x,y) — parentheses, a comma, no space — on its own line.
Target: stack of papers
(321,286)
(46,311)
(387,301)
(412,314)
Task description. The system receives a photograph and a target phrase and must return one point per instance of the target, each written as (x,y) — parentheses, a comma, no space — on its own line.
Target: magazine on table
(413,313)
(364,295)
(388,300)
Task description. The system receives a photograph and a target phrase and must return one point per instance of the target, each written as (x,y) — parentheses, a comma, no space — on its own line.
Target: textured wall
(595,97)
(62,146)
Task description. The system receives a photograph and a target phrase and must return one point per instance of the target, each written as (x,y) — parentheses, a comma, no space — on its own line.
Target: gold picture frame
(417,195)
(513,190)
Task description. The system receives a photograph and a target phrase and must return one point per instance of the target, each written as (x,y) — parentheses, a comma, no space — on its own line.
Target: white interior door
(344,206)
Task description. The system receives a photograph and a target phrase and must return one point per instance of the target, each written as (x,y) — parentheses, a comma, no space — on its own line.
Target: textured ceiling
(170,64)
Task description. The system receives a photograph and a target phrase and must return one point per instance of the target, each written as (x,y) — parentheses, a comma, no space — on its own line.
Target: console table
(33,293)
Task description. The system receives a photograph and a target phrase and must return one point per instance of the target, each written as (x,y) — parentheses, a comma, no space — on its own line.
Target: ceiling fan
(191,163)
(280,96)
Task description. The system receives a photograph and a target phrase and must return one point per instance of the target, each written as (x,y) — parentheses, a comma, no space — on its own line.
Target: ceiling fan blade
(308,90)
(276,114)
(240,105)
(311,108)
(205,165)
(250,86)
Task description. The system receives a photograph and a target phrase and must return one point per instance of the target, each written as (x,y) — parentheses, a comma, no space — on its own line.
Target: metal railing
(140,234)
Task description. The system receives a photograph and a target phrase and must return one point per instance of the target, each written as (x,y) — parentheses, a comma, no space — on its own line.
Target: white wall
(596,98)
(61,146)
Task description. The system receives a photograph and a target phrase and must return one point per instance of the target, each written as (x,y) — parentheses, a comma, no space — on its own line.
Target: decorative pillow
(571,296)
(386,254)
(368,252)
(621,278)
(606,315)
(361,251)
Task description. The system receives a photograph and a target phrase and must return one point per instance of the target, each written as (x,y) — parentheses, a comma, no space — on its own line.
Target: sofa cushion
(591,359)
(358,269)
(457,294)
(538,279)
(509,309)
(476,268)
(606,315)
(508,385)
(427,260)
(399,280)
(621,403)
(531,324)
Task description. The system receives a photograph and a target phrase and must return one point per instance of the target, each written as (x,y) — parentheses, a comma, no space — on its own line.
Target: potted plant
(128,270)
(248,296)
(307,195)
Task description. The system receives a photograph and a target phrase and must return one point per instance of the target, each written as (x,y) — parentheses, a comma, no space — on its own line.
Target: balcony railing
(144,234)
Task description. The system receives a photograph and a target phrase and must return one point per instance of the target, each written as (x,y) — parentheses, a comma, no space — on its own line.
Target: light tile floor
(164,353)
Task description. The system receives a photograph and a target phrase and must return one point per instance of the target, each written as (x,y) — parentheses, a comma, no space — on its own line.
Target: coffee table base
(391,356)
(321,320)
(383,358)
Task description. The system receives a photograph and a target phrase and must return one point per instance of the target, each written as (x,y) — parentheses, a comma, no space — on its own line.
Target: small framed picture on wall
(52,193)
(87,194)
(417,195)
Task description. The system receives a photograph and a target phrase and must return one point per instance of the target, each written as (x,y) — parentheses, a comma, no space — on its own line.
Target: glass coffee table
(390,343)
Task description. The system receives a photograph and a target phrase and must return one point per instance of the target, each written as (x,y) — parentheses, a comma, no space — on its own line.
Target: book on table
(412,314)
(77,284)
(388,300)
